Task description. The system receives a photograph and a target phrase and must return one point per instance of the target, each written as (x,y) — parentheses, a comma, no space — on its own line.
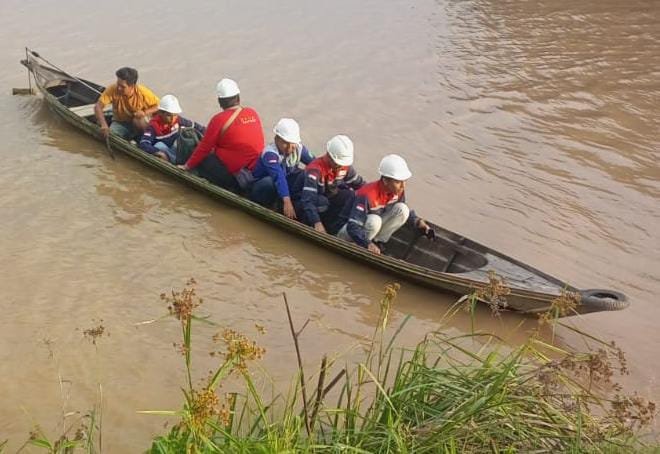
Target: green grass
(438,397)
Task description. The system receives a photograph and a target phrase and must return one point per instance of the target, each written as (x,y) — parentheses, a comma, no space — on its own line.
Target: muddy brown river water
(530,126)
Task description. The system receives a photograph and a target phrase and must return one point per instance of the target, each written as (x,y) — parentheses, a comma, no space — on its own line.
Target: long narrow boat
(451,262)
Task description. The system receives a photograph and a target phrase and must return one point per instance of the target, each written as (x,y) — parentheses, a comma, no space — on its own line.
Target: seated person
(160,137)
(278,166)
(327,184)
(379,208)
(232,143)
(132,104)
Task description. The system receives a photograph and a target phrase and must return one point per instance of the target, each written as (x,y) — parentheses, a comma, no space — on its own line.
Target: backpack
(188,139)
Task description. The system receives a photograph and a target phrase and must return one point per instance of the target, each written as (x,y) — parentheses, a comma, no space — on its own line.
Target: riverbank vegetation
(447,394)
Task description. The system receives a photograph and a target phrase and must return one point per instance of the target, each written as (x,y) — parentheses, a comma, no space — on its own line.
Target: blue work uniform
(320,192)
(274,172)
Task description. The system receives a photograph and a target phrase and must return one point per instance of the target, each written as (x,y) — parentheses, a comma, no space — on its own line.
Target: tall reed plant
(439,396)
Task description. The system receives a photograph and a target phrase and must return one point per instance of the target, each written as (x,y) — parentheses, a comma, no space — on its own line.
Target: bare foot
(161,155)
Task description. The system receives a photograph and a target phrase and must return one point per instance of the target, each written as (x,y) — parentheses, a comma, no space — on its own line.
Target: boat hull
(451,264)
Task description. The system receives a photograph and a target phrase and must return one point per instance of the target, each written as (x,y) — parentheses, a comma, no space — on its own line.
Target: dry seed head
(391,291)
(494,293)
(95,333)
(565,304)
(621,358)
(389,295)
(182,304)
(204,404)
(596,367)
(180,348)
(632,412)
(81,433)
(239,349)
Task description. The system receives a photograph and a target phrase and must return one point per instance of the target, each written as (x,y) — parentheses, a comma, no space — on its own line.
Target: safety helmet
(227,88)
(288,130)
(169,103)
(395,167)
(340,149)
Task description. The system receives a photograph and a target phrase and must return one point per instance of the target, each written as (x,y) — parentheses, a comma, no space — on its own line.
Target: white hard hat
(340,149)
(395,167)
(288,130)
(227,88)
(169,103)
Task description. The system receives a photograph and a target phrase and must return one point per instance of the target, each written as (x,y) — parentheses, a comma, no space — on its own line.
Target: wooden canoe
(451,263)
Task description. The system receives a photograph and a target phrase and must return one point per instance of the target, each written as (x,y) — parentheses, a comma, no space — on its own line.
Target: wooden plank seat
(88,109)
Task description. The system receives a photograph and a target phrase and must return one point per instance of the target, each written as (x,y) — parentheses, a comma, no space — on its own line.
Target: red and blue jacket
(158,131)
(372,198)
(279,167)
(320,179)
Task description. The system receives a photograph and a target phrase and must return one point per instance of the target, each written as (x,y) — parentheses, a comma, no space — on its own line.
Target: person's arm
(149,101)
(415,222)
(186,123)
(151,110)
(205,146)
(310,197)
(306,156)
(148,139)
(356,220)
(421,225)
(100,119)
(271,161)
(200,128)
(276,172)
(104,100)
(352,179)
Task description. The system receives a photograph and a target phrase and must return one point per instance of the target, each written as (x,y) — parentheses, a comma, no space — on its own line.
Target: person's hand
(105,131)
(319,227)
(373,248)
(182,167)
(288,209)
(162,155)
(426,230)
(139,115)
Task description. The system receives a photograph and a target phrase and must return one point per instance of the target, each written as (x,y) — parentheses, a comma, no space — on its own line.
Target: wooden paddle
(107,144)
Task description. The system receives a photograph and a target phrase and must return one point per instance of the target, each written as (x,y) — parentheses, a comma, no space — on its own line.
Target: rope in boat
(36,55)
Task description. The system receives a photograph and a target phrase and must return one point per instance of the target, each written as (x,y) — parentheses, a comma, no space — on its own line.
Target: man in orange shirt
(132,104)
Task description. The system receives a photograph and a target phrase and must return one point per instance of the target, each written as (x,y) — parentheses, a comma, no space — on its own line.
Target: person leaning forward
(328,183)
(163,131)
(232,143)
(379,208)
(278,166)
(132,104)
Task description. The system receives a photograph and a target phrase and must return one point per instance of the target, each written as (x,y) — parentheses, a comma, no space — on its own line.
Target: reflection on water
(529,126)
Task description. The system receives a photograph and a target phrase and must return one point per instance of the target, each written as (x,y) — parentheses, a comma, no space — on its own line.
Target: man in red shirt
(233,140)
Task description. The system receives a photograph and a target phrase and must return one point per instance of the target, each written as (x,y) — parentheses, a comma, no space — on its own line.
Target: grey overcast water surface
(530,126)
